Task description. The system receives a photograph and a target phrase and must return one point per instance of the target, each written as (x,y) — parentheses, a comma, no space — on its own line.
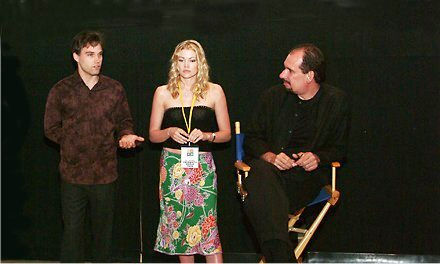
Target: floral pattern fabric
(188,207)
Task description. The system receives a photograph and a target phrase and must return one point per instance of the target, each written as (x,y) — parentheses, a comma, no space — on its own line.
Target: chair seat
(323,195)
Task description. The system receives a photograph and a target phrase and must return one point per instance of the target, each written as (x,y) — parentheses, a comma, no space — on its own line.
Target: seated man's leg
(267,208)
(301,192)
(278,251)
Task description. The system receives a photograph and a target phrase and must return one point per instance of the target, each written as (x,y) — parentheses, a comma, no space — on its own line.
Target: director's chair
(328,194)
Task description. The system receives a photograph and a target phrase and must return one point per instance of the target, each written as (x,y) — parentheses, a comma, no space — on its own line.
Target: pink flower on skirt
(191,194)
(199,201)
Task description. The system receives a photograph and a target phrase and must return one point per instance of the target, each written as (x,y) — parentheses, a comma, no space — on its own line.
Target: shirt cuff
(125,132)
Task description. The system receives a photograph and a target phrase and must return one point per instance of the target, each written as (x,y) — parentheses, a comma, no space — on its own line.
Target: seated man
(294,135)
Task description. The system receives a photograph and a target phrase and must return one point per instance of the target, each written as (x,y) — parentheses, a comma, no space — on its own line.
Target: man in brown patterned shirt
(88,115)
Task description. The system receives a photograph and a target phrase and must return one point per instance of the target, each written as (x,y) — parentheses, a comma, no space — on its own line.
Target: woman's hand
(177,134)
(197,135)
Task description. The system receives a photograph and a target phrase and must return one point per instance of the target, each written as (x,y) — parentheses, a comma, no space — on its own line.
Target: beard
(288,87)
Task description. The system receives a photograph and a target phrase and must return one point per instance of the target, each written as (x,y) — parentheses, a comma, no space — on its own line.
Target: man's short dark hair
(85,38)
(313,60)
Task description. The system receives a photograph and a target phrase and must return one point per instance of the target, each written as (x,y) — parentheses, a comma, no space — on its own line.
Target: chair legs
(302,244)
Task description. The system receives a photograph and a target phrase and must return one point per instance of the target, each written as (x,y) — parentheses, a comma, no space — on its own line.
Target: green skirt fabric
(188,207)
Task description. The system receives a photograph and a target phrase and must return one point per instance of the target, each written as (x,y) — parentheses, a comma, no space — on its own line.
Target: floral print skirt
(188,207)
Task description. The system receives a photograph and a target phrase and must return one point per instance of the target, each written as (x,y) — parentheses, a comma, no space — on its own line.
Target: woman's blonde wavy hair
(200,87)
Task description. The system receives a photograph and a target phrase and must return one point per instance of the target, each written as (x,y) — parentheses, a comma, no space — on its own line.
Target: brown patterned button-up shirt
(87,124)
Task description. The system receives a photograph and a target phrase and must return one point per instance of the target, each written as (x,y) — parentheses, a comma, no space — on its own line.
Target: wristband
(213,137)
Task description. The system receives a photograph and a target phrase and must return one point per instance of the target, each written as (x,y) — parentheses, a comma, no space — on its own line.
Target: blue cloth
(239,138)
(322,196)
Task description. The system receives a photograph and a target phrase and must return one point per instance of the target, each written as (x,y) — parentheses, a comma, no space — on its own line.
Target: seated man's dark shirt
(284,123)
(301,124)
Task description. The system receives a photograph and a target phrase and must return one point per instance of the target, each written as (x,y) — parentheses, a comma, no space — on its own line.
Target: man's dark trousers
(273,194)
(75,199)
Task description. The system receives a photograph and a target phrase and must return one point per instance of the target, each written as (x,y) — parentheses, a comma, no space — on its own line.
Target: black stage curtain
(386,57)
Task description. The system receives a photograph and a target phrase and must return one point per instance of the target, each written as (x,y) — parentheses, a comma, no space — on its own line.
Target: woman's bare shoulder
(215,89)
(162,89)
(162,92)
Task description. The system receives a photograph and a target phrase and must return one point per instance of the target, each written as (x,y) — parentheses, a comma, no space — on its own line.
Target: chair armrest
(336,164)
(240,165)
(334,195)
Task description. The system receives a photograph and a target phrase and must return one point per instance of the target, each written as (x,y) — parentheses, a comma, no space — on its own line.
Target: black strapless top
(203,118)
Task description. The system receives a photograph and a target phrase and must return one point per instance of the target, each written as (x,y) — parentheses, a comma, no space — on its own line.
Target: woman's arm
(157,135)
(222,116)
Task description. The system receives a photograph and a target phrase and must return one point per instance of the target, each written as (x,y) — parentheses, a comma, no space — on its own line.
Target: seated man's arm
(335,147)
(258,135)
(256,142)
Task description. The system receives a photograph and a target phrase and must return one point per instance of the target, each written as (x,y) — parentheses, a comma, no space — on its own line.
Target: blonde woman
(188,115)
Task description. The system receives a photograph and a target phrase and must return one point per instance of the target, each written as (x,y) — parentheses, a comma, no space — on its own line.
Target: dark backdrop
(385,56)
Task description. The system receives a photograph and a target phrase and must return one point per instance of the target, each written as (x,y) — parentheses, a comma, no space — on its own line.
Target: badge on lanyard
(189,155)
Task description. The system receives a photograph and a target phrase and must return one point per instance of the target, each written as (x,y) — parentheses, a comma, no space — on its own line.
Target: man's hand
(308,161)
(281,161)
(129,141)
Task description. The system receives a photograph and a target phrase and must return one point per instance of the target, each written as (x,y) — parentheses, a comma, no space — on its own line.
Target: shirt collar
(313,99)
(78,81)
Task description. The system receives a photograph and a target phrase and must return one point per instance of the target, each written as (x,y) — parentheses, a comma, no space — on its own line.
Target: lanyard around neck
(188,124)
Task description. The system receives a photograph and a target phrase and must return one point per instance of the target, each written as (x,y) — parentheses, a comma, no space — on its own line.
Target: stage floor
(310,257)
